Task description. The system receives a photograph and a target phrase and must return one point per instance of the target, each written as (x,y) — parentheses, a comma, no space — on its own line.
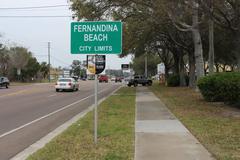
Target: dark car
(4,82)
(138,79)
(118,79)
(103,78)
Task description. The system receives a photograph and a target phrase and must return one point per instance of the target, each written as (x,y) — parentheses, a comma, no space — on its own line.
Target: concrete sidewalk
(159,135)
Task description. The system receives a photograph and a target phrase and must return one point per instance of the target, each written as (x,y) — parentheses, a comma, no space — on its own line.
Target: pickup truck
(4,82)
(139,80)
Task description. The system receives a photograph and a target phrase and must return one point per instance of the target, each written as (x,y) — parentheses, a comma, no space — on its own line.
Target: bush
(221,87)
(173,81)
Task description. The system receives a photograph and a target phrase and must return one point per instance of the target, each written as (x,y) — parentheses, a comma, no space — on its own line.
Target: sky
(35,33)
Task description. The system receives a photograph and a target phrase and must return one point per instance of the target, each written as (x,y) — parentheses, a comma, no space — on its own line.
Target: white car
(113,78)
(66,84)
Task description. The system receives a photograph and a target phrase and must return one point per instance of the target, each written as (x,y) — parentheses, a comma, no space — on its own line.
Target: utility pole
(49,64)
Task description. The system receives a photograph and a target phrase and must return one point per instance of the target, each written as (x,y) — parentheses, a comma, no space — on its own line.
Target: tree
(19,57)
(139,67)
(225,13)
(44,69)
(175,30)
(4,60)
(76,68)
(191,6)
(31,69)
(146,24)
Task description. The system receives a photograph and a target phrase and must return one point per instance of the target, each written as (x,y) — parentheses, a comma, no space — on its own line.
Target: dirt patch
(235,113)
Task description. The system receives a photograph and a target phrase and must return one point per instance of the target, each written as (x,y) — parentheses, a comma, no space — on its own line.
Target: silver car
(66,84)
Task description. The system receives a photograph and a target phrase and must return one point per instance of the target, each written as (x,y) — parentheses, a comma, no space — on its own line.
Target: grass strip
(216,125)
(115,133)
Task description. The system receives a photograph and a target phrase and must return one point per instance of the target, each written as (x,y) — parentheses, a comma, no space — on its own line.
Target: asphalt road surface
(28,113)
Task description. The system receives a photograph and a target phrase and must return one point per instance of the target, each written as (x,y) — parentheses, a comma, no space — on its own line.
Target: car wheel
(6,85)
(129,85)
(149,83)
(57,90)
(135,84)
(73,89)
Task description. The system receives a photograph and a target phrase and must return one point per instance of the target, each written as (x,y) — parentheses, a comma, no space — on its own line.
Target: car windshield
(64,80)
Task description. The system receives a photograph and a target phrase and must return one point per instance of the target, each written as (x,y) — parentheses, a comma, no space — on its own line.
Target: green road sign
(100,37)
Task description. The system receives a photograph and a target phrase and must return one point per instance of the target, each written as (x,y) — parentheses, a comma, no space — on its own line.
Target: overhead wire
(61,61)
(57,16)
(32,7)
(34,16)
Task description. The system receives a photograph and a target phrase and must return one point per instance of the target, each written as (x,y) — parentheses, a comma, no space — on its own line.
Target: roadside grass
(20,83)
(216,125)
(116,118)
(15,83)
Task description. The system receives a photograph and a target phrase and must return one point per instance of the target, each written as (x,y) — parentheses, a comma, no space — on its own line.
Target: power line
(61,61)
(40,55)
(66,16)
(34,7)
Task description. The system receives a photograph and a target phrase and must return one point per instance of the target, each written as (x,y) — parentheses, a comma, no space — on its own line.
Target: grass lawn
(115,134)
(217,126)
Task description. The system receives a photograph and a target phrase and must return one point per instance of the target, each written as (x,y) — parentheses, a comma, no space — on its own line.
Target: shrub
(221,87)
(173,81)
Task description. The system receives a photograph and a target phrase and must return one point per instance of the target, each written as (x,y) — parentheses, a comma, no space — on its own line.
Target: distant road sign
(125,66)
(96,63)
(100,37)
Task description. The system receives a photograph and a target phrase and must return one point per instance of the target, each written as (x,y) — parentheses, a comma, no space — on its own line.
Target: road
(28,113)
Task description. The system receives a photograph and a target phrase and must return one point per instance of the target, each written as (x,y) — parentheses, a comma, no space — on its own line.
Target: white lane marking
(48,115)
(52,95)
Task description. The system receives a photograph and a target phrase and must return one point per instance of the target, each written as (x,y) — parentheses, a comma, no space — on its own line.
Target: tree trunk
(182,72)
(198,49)
(176,63)
(211,43)
(192,68)
(217,67)
(166,75)
(238,61)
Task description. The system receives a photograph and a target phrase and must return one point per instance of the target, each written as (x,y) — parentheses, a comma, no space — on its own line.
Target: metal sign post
(95,109)
(96,65)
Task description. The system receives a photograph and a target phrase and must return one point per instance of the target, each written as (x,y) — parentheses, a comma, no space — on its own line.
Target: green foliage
(31,69)
(44,69)
(14,58)
(173,81)
(76,68)
(222,87)
(4,61)
(152,61)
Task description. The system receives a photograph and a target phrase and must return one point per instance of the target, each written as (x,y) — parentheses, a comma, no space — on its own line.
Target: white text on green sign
(96,37)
